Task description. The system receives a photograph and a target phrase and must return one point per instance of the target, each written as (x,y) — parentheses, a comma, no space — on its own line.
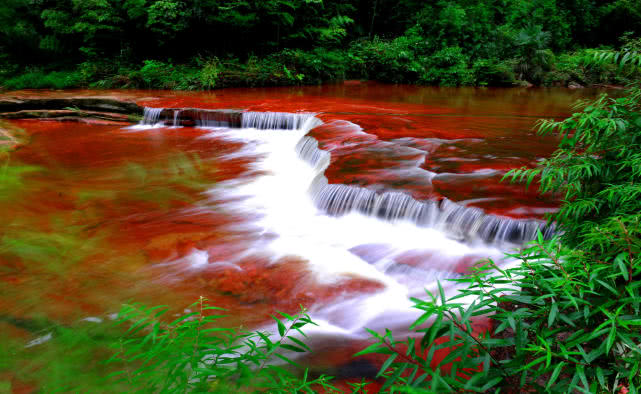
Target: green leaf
(555,375)
(386,364)
(441,292)
(620,260)
(299,343)
(393,378)
(580,370)
(371,349)
(600,377)
(533,363)
(287,360)
(611,337)
(281,326)
(491,383)
(553,312)
(292,348)
(183,318)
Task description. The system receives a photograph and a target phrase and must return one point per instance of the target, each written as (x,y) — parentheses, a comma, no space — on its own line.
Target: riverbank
(393,61)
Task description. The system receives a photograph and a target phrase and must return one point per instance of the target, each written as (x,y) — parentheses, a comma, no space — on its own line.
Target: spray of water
(346,231)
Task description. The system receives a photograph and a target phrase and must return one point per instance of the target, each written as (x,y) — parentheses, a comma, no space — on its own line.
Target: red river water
(107,213)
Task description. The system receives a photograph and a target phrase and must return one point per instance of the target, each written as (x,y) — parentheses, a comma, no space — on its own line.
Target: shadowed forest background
(206,44)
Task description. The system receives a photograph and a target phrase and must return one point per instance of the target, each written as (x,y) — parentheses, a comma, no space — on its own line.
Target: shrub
(194,354)
(596,168)
(155,73)
(580,67)
(393,61)
(315,66)
(287,67)
(448,67)
(560,325)
(209,73)
(41,80)
(493,73)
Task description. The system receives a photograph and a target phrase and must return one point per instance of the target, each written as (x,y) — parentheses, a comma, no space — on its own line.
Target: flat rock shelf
(70,109)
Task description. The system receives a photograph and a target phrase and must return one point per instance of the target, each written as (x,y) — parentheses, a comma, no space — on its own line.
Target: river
(349,200)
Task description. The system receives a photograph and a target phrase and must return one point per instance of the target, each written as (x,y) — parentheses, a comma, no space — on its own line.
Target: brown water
(107,214)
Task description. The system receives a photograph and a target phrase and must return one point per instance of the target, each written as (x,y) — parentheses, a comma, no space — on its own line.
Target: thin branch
(462,328)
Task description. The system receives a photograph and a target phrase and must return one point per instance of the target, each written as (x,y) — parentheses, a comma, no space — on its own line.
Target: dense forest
(205,44)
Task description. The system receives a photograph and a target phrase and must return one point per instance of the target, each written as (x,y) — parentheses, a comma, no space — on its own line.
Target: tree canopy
(140,29)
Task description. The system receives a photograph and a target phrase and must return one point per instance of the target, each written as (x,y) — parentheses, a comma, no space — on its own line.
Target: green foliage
(629,43)
(127,44)
(592,288)
(582,67)
(466,24)
(596,168)
(448,67)
(489,72)
(167,18)
(155,73)
(533,58)
(209,73)
(193,353)
(41,80)
(78,350)
(394,61)
(315,66)
(401,36)
(562,323)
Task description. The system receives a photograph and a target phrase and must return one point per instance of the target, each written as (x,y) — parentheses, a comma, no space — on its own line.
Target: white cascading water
(151,116)
(274,120)
(176,114)
(346,231)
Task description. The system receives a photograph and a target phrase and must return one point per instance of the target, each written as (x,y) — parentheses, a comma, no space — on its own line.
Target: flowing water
(347,199)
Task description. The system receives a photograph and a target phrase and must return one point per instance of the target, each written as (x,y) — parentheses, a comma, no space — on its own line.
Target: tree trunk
(371,25)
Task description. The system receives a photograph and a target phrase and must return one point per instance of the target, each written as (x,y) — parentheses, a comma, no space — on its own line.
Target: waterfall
(464,223)
(216,118)
(151,116)
(308,150)
(227,118)
(176,113)
(275,120)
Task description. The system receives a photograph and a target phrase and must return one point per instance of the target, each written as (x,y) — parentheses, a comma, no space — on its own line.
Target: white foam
(285,208)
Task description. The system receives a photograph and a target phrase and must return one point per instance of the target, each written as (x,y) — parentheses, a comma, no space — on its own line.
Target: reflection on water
(95,215)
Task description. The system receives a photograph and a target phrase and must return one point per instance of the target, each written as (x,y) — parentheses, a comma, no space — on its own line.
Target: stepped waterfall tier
(460,222)
(224,118)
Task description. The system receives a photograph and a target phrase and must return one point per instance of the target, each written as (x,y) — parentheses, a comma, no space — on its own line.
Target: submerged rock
(70,109)
(575,85)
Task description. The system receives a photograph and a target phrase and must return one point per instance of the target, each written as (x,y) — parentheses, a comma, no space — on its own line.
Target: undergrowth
(404,59)
(193,354)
